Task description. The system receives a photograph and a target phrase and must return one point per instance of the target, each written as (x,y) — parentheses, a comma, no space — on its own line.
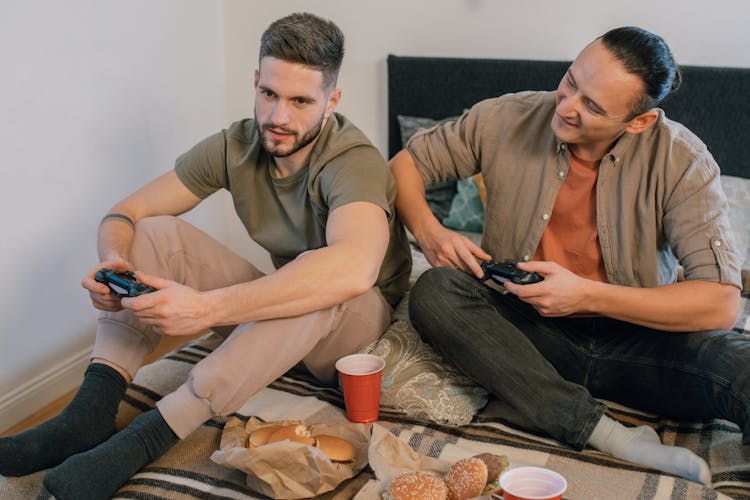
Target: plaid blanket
(186,471)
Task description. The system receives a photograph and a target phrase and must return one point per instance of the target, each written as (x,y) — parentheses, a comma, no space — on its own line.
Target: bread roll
(466,479)
(260,436)
(296,432)
(417,486)
(335,448)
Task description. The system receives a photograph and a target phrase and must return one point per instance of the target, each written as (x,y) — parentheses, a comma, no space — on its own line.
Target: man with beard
(593,188)
(309,188)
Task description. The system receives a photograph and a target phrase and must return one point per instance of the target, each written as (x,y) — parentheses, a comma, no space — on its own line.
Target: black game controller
(122,284)
(501,272)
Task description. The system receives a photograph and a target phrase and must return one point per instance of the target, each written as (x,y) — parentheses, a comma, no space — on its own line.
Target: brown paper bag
(287,469)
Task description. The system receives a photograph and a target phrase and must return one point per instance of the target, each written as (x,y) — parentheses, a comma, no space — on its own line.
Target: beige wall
(97,98)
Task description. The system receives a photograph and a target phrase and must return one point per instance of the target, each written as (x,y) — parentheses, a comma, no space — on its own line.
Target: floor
(167,344)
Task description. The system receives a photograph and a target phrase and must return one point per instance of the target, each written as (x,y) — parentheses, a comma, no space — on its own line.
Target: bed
(713,102)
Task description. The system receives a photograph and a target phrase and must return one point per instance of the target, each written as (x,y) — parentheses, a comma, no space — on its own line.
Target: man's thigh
(172,248)
(688,375)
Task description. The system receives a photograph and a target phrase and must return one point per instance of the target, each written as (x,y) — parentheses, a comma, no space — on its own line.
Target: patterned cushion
(467,211)
(420,383)
(737,190)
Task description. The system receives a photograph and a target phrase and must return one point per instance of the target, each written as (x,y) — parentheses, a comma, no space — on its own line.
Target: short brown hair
(306,39)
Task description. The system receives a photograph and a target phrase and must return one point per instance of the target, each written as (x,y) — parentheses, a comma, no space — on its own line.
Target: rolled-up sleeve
(447,150)
(697,225)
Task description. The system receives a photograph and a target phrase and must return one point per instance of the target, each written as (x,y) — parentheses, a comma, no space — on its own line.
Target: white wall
(698,31)
(97,98)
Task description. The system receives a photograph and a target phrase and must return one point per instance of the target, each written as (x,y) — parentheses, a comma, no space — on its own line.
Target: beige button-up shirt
(659,196)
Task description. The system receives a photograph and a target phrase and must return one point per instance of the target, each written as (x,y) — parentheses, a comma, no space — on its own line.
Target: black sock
(88,420)
(99,472)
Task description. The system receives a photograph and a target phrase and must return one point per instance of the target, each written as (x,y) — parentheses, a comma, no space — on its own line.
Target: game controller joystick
(122,284)
(501,272)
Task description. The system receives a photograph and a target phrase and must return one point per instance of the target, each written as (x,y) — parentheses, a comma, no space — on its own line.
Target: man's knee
(431,295)
(434,281)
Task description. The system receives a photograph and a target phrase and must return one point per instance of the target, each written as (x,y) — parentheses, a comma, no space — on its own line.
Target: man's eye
(594,109)
(301,100)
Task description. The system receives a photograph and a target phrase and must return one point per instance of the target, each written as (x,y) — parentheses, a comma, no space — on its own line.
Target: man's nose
(280,113)
(568,105)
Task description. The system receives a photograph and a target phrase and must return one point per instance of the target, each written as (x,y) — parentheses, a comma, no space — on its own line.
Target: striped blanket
(186,471)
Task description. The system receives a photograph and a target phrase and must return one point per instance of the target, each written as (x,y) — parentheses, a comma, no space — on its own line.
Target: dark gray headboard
(713,102)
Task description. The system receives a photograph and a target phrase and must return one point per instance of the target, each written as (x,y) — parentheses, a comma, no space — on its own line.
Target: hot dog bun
(335,448)
(296,432)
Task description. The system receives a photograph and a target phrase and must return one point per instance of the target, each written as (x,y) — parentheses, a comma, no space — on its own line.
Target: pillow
(467,211)
(737,191)
(420,383)
(440,194)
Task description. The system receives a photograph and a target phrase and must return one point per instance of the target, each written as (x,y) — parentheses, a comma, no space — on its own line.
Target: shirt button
(526,258)
(561,174)
(545,216)
(717,243)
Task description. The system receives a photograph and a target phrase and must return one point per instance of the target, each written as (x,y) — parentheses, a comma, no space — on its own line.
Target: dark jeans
(548,370)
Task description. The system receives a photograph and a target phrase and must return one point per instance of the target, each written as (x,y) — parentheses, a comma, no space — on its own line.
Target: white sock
(641,445)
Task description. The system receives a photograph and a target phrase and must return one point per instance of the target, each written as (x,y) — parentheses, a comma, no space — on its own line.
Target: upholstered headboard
(713,102)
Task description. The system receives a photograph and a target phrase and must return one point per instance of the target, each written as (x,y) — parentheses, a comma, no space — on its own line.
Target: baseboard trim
(43,389)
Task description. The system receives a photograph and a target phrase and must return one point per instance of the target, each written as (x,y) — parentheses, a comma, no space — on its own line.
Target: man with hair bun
(596,190)
(313,191)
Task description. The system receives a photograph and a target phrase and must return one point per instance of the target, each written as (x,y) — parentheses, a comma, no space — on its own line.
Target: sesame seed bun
(466,479)
(417,486)
(297,432)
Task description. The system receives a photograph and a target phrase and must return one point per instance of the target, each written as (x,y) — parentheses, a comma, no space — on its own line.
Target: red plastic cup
(532,483)
(360,376)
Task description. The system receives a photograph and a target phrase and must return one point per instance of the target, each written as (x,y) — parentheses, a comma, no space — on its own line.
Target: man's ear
(256,78)
(333,101)
(642,122)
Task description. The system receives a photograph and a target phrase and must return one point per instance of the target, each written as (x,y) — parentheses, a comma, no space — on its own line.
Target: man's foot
(642,445)
(88,420)
(99,472)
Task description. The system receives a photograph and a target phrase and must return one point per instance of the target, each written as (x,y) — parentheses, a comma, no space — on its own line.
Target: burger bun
(417,486)
(466,479)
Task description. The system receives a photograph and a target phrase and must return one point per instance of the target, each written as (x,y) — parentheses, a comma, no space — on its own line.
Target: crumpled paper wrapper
(389,457)
(287,469)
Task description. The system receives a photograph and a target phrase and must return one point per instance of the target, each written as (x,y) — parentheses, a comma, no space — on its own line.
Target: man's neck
(289,165)
(592,151)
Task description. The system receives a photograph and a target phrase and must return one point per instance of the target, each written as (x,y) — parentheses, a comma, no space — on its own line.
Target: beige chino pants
(252,354)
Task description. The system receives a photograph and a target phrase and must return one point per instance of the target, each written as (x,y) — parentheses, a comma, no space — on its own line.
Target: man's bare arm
(686,306)
(166,195)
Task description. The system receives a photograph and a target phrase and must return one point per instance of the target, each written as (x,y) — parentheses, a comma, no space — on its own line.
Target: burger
(416,486)
(496,465)
(466,479)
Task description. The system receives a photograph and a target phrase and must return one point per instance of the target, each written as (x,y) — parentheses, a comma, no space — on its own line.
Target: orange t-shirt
(570,238)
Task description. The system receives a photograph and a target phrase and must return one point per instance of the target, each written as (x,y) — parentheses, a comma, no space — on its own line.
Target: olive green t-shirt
(288,216)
